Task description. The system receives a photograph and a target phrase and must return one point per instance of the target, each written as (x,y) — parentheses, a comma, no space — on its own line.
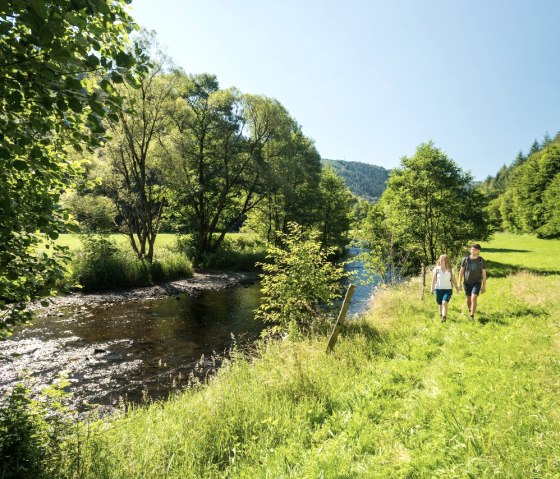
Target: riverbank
(401,396)
(200,281)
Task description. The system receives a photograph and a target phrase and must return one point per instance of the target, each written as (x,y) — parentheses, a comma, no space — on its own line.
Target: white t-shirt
(443,278)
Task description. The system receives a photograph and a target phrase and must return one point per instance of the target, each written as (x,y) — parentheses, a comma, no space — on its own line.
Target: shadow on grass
(502,317)
(505,250)
(362,328)
(501,270)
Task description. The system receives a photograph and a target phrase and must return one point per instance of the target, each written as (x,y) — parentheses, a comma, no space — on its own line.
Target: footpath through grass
(402,396)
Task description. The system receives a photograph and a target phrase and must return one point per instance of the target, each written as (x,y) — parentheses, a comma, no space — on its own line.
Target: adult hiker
(473,269)
(443,281)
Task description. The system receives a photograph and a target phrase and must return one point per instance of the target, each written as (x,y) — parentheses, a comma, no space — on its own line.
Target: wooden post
(340,319)
(423,281)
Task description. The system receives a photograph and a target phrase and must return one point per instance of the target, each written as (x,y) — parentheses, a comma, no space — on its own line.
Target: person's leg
(474,299)
(444,306)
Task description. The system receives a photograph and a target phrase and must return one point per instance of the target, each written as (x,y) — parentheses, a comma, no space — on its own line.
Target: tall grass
(100,264)
(402,396)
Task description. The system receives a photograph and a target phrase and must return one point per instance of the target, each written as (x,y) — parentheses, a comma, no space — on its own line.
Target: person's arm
(434,274)
(483,287)
(454,280)
(461,273)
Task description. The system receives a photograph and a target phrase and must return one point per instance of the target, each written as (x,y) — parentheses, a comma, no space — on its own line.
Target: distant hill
(362,179)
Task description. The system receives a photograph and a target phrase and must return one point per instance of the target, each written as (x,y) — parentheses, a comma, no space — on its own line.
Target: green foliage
(94,213)
(430,207)
(60,61)
(299,280)
(226,149)
(102,265)
(334,211)
(527,203)
(518,191)
(292,190)
(32,432)
(362,179)
(238,252)
(132,156)
(384,257)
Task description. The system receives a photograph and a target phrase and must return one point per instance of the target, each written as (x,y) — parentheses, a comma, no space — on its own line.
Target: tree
(432,207)
(334,210)
(535,147)
(292,189)
(59,63)
(529,211)
(222,146)
(135,177)
(551,217)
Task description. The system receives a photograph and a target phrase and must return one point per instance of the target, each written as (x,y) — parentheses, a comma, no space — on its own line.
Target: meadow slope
(402,396)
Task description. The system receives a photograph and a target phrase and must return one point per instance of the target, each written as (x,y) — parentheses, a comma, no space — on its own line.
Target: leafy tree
(334,210)
(291,191)
(135,178)
(94,213)
(384,256)
(299,280)
(551,213)
(222,146)
(59,62)
(432,207)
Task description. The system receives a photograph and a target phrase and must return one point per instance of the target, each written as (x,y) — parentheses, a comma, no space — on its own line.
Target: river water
(133,351)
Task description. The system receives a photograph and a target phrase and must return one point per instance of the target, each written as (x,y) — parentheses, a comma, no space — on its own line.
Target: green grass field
(73,240)
(402,396)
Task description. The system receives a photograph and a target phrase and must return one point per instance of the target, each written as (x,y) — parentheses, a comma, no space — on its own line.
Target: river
(136,350)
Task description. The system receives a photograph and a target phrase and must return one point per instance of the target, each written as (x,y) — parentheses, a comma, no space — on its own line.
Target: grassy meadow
(72,241)
(402,395)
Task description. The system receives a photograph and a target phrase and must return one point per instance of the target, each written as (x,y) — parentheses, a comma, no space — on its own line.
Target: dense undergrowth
(402,396)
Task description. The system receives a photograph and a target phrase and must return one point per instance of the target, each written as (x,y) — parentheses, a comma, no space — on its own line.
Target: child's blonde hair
(444,262)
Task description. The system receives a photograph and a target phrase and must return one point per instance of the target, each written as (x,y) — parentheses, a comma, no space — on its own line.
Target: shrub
(238,251)
(100,264)
(299,280)
(32,433)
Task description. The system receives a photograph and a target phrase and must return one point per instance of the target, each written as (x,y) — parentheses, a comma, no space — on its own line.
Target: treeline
(430,207)
(524,196)
(362,179)
(189,156)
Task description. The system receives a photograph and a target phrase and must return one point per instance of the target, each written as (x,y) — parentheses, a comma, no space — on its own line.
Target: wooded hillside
(362,179)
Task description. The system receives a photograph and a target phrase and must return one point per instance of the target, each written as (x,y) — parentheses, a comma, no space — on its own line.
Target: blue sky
(370,80)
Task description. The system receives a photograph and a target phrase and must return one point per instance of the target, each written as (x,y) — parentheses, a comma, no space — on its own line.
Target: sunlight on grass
(520,252)
(402,395)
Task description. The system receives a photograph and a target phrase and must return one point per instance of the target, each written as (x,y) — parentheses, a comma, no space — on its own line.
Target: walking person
(443,280)
(473,269)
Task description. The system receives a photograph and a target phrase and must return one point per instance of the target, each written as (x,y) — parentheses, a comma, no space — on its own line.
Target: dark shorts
(473,288)
(443,295)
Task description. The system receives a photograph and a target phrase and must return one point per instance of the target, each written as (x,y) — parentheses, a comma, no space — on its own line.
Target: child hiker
(443,280)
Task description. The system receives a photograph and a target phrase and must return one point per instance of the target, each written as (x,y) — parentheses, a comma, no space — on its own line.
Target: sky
(370,80)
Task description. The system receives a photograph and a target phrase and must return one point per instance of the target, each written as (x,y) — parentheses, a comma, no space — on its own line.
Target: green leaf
(125,60)
(75,104)
(19,165)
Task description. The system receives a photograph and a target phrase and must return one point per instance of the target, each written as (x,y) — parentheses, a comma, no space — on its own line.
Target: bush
(299,281)
(32,433)
(238,251)
(100,264)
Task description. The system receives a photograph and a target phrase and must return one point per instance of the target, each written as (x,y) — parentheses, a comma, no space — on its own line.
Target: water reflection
(125,351)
